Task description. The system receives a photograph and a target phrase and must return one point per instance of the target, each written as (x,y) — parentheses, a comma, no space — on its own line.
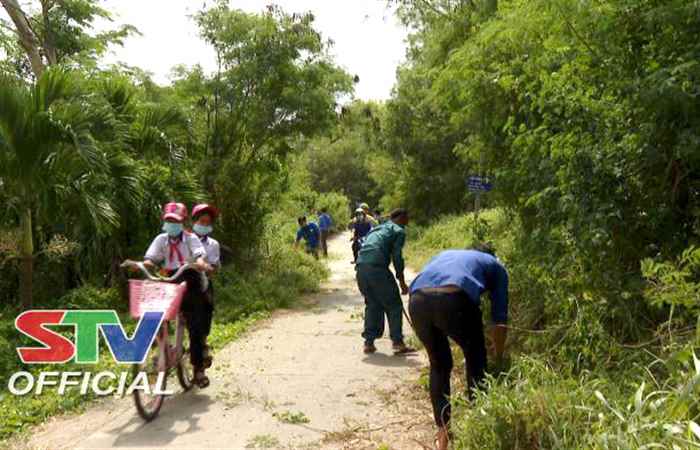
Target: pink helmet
(204,208)
(175,211)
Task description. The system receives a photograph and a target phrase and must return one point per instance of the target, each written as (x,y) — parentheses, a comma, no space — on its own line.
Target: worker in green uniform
(382,246)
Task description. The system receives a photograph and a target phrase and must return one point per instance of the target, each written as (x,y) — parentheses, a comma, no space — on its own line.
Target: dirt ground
(297,381)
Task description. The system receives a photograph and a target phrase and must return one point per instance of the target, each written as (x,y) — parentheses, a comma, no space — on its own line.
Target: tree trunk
(49,43)
(27,37)
(26,274)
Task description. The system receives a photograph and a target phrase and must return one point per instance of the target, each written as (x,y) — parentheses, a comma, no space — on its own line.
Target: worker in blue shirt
(325,223)
(360,227)
(311,234)
(445,302)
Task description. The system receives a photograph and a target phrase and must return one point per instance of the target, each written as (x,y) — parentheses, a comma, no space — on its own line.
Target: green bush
(675,283)
(457,232)
(89,297)
(534,407)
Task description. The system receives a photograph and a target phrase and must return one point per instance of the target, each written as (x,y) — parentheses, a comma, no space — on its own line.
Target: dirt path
(302,365)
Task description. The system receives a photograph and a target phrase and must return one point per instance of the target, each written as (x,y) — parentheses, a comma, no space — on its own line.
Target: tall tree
(53,32)
(28,38)
(46,150)
(276,82)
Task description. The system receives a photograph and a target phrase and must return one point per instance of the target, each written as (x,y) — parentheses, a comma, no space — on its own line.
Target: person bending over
(445,302)
(311,234)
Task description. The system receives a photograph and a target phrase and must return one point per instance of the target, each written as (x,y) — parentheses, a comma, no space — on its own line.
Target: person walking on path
(365,208)
(204,216)
(311,234)
(325,223)
(383,245)
(360,227)
(445,302)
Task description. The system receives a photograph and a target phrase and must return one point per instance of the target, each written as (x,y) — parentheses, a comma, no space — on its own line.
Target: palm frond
(152,132)
(54,85)
(13,116)
(102,213)
(128,181)
(121,97)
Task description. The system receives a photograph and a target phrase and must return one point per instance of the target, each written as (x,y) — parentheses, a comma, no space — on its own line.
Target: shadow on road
(185,407)
(381,359)
(339,300)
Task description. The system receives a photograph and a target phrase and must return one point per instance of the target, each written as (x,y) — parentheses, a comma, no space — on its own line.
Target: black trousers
(198,309)
(356,246)
(437,317)
(324,241)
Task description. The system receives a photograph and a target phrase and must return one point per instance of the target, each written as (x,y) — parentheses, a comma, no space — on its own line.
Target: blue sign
(479,184)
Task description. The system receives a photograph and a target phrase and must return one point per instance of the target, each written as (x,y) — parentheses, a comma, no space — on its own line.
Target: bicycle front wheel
(155,369)
(185,371)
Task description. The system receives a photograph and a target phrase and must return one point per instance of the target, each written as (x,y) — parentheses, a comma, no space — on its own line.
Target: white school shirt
(189,246)
(213,250)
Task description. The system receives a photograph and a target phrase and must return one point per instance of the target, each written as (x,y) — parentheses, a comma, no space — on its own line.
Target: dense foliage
(89,154)
(585,115)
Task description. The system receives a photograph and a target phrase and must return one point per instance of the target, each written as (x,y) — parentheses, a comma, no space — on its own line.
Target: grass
(294,418)
(233,398)
(263,441)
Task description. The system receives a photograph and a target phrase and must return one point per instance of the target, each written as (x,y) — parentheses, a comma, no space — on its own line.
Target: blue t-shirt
(472,271)
(325,222)
(310,233)
(362,229)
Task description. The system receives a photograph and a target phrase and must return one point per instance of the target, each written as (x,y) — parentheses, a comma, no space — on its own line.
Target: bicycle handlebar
(142,267)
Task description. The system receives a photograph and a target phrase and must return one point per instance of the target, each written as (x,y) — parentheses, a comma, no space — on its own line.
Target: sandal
(403,349)
(208,359)
(442,439)
(201,380)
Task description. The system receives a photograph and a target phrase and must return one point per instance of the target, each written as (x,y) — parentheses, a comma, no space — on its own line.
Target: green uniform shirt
(383,245)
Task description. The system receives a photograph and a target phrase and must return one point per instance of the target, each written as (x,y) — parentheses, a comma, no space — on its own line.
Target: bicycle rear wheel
(155,366)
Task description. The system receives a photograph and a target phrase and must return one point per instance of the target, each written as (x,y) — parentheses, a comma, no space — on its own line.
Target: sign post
(478,184)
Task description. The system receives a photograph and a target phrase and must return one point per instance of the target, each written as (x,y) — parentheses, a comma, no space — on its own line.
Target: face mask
(173,229)
(203,230)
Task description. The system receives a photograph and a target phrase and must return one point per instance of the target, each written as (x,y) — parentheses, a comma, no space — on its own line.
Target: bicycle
(169,350)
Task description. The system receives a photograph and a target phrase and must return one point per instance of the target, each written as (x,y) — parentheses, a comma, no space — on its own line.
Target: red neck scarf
(175,249)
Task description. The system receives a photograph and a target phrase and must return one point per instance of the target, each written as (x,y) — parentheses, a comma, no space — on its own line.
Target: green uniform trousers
(382,296)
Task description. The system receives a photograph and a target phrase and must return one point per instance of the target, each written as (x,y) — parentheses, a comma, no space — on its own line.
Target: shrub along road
(298,380)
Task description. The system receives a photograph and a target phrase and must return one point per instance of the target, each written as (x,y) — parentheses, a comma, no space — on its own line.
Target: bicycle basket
(146,295)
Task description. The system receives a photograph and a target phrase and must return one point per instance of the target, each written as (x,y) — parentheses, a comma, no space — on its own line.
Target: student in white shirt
(171,250)
(203,216)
